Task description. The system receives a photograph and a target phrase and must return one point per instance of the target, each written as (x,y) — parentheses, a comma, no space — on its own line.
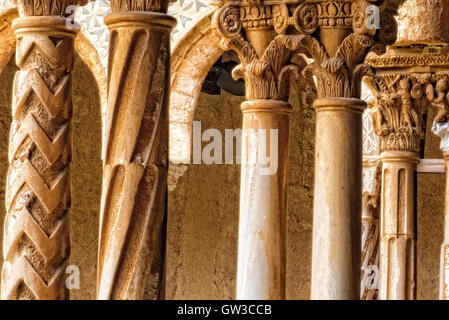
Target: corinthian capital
(337,35)
(47,7)
(405,86)
(139,5)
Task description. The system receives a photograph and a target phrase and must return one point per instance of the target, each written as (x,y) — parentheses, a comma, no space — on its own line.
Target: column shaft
(36,240)
(133,215)
(397,231)
(337,199)
(263,201)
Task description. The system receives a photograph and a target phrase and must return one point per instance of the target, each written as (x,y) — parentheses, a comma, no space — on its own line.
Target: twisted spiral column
(36,239)
(132,225)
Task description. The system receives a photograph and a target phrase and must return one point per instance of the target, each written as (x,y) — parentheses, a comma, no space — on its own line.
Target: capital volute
(336,35)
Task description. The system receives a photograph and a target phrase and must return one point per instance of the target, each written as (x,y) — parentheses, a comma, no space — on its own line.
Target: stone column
(132,226)
(263,200)
(337,199)
(36,240)
(402,100)
(267,38)
(397,231)
(267,70)
(336,260)
(396,120)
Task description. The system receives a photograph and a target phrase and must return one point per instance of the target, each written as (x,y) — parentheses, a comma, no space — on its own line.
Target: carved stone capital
(48,7)
(403,97)
(370,227)
(37,234)
(139,5)
(337,35)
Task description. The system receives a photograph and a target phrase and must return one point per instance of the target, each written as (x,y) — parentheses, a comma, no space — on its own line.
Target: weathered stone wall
(423,21)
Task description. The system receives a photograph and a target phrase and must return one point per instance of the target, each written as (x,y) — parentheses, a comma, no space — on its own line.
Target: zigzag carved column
(36,240)
(135,151)
(267,35)
(407,81)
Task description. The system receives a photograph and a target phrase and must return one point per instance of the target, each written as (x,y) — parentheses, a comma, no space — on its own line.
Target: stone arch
(191,60)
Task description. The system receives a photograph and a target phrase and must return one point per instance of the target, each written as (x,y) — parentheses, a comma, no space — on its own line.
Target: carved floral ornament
(294,28)
(47,7)
(401,100)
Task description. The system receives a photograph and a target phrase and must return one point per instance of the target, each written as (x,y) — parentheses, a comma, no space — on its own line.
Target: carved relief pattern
(36,240)
(47,7)
(337,75)
(266,77)
(371,142)
(135,164)
(139,5)
(370,229)
(401,101)
(409,60)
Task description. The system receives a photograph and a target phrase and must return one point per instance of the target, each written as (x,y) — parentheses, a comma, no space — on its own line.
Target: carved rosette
(289,29)
(132,226)
(36,239)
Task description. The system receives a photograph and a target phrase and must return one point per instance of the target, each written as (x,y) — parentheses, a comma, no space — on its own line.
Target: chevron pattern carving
(36,242)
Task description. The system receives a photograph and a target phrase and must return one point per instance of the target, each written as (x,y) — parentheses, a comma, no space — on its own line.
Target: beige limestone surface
(86,170)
